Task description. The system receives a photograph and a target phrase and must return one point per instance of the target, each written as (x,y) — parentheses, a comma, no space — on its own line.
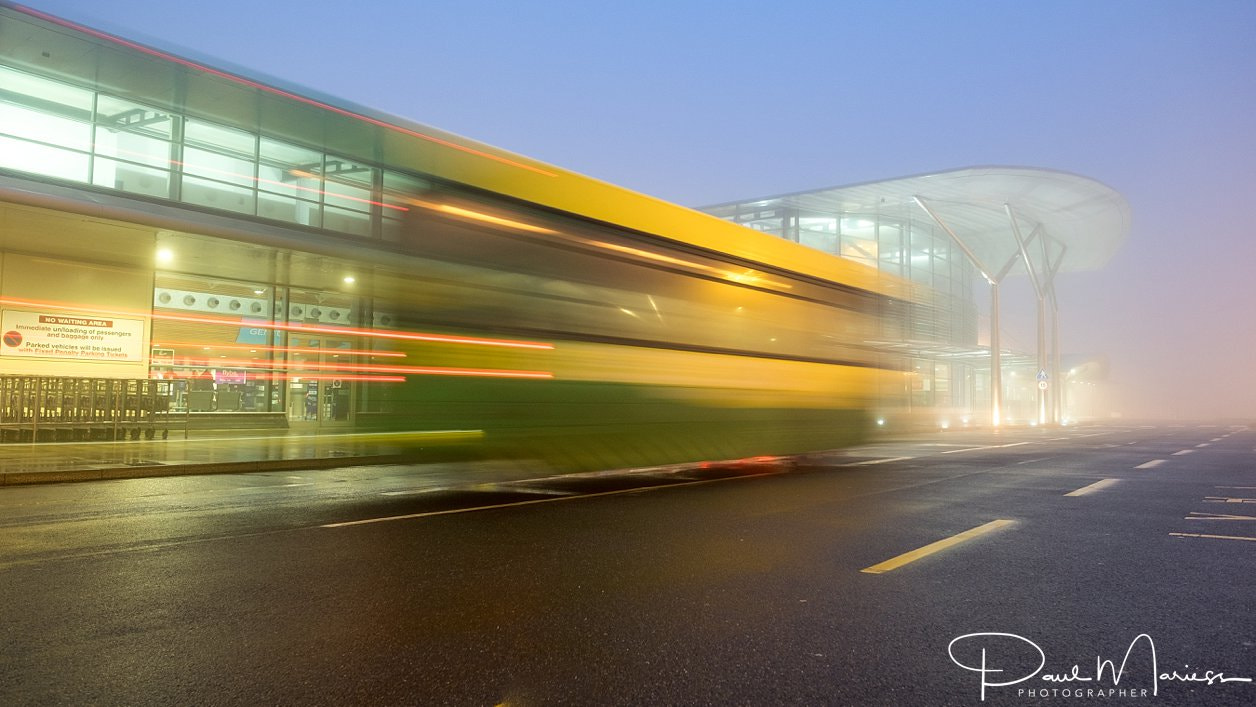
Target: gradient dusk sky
(702,102)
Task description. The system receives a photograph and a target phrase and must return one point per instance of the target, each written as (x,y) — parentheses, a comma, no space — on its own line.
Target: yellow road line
(1216,537)
(896,562)
(1093,487)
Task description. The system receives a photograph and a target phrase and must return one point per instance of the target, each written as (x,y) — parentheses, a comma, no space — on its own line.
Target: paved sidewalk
(51,462)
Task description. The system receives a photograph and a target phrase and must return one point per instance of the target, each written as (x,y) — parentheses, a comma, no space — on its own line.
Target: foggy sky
(702,102)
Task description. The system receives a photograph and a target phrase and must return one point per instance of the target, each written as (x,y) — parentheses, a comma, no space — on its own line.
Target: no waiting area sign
(81,337)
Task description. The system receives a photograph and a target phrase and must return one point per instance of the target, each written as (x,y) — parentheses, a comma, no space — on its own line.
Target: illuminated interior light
(165,255)
(279,92)
(750,277)
(746,277)
(655,306)
(647,254)
(349,279)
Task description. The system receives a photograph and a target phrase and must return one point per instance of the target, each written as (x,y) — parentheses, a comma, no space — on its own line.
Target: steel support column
(996,372)
(1057,385)
(996,362)
(1021,244)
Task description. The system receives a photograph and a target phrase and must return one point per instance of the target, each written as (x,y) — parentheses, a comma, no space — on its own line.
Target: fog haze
(709,102)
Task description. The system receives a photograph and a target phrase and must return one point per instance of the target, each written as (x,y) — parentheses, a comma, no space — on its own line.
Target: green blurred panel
(583,426)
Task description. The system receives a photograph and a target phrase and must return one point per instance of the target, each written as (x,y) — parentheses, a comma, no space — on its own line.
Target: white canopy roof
(1067,222)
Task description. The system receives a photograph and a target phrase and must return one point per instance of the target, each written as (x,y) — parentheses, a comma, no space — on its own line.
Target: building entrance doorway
(321,391)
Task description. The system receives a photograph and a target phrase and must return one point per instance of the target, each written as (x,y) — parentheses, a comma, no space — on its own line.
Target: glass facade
(52,128)
(939,332)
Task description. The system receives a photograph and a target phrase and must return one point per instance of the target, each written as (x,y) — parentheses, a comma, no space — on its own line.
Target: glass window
(219,167)
(398,190)
(286,208)
(218,195)
(290,170)
(349,184)
(45,95)
(345,221)
(132,178)
(39,126)
(132,147)
(220,139)
(818,232)
(131,117)
(225,357)
(826,242)
(42,159)
(322,364)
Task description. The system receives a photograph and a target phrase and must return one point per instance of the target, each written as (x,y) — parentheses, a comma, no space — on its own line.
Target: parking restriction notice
(81,337)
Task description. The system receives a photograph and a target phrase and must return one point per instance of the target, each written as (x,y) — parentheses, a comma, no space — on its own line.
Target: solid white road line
(1215,537)
(877,461)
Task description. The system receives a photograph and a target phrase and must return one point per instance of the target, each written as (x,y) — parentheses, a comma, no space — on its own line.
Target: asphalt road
(484,585)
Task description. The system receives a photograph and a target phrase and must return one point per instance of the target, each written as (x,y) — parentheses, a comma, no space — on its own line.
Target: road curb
(158,470)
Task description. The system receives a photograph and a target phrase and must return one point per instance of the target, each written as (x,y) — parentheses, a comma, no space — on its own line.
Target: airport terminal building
(951,233)
(199,234)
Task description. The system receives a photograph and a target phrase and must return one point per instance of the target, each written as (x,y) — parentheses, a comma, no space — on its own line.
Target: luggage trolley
(28,408)
(12,408)
(150,409)
(57,408)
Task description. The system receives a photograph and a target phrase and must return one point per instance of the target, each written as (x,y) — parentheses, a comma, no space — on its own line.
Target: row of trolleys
(55,408)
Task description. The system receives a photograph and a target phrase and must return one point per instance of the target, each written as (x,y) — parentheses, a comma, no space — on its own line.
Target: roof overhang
(1000,215)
